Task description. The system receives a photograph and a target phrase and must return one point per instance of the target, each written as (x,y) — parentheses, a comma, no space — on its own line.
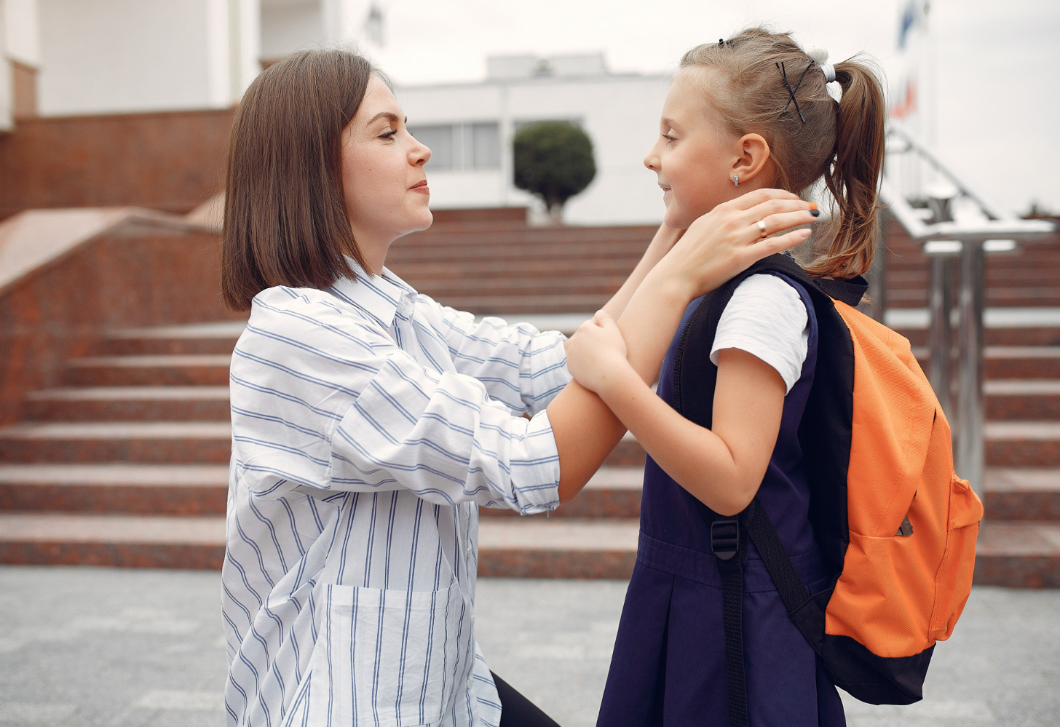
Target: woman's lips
(421,187)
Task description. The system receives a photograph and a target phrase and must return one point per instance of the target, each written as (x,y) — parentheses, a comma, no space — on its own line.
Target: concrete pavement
(97,646)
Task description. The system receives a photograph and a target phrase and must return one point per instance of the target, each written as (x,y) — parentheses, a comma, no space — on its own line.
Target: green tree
(553,160)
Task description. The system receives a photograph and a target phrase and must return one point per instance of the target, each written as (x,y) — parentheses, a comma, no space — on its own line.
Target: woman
(370,422)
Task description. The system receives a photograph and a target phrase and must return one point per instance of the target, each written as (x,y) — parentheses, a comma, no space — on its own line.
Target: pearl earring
(736,180)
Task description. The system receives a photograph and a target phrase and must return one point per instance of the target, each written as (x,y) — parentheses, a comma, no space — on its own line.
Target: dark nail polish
(815,213)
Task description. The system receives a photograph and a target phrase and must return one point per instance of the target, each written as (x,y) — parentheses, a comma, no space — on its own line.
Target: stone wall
(169,161)
(140,272)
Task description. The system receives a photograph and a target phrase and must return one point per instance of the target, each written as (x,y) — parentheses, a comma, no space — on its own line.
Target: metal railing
(955,243)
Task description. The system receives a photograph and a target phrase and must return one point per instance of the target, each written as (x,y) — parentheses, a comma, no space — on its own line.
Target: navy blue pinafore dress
(668,666)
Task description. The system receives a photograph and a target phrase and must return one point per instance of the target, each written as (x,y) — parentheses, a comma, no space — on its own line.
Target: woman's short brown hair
(285,220)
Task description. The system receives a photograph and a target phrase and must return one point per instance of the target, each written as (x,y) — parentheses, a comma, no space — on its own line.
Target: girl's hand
(596,352)
(728,239)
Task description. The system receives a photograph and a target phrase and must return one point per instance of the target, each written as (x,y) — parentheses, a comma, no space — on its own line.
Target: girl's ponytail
(854,176)
(809,137)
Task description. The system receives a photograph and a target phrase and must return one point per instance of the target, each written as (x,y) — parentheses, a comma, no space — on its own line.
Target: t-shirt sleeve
(766,318)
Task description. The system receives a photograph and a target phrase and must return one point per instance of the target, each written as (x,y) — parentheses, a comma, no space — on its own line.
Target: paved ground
(86,646)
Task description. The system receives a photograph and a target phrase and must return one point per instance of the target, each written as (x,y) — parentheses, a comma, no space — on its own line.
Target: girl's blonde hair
(841,141)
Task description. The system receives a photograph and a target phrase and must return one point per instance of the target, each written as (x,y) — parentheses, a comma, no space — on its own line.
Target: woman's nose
(421,154)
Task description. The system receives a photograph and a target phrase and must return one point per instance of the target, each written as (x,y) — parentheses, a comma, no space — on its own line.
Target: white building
(469,128)
(70,57)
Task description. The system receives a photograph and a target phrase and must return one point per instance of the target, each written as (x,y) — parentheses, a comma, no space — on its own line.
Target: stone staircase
(125,463)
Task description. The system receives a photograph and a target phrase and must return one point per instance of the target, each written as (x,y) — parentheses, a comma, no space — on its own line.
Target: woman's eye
(388,134)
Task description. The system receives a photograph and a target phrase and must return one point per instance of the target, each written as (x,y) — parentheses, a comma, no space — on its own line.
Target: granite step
(1018,554)
(561,548)
(169,489)
(100,442)
(613,492)
(628,453)
(189,489)
(1022,493)
(1022,399)
(183,370)
(1014,555)
(1022,443)
(1010,362)
(128,403)
(995,336)
(122,541)
(1022,362)
(203,490)
(181,340)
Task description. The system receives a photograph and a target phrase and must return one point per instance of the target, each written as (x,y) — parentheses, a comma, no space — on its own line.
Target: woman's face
(694,155)
(382,174)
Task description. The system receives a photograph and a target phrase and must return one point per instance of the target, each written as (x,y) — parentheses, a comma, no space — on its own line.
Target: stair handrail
(1000,221)
(967,239)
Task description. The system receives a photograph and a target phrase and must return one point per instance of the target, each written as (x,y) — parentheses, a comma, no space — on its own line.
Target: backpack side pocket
(953,583)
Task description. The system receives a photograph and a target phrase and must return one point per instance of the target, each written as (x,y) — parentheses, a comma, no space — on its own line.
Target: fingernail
(815,212)
(813,205)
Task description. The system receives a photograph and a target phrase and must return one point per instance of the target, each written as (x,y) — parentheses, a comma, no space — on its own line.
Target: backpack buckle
(725,538)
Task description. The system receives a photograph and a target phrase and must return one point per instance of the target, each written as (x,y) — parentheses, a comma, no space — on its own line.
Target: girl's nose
(651,161)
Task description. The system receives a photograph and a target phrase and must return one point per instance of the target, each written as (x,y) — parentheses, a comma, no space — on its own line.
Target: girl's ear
(754,164)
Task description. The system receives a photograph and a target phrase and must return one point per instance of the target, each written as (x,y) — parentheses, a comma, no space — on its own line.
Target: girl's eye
(670,139)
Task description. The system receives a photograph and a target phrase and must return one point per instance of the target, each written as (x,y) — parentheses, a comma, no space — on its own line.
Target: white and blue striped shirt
(368,425)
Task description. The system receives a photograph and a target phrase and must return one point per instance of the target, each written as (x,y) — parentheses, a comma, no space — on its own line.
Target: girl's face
(695,156)
(382,174)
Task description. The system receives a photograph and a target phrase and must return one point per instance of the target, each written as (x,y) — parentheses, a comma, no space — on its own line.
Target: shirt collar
(380,296)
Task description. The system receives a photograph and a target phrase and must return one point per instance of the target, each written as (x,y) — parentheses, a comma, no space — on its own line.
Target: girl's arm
(723,466)
(715,247)
(664,240)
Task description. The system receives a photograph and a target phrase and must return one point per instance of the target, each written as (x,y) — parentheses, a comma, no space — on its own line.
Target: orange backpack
(896,527)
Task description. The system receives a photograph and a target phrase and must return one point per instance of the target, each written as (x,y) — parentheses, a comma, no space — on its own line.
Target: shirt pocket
(390,658)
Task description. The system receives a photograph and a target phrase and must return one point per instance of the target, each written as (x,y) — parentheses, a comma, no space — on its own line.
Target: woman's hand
(729,239)
(596,352)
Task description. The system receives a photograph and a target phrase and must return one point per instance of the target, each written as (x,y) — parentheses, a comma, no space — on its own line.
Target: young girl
(369,422)
(746,113)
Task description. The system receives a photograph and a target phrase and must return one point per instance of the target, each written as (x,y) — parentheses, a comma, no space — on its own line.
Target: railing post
(970,343)
(941,254)
(940,338)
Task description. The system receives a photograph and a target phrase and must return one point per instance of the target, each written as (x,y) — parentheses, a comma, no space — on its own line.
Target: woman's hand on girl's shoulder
(597,352)
(729,238)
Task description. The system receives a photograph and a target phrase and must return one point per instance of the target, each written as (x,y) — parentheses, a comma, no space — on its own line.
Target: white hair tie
(820,56)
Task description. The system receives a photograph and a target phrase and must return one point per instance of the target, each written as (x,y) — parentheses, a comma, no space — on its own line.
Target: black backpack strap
(729,544)
(806,611)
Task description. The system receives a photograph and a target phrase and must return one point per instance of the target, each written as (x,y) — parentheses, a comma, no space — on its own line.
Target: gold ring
(762,227)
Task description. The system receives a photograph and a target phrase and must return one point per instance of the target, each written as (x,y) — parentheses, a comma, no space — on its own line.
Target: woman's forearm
(585,429)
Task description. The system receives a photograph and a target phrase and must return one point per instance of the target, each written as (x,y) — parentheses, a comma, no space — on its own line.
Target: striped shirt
(368,424)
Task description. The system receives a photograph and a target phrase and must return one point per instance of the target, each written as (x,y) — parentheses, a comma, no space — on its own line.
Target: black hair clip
(721,42)
(791,91)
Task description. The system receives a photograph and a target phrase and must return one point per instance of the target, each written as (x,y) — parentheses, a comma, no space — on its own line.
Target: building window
(457,147)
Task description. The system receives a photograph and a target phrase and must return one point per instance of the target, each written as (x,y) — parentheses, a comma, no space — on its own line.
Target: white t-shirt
(766,318)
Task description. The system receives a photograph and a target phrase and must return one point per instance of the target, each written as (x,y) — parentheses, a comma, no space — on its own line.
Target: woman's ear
(754,163)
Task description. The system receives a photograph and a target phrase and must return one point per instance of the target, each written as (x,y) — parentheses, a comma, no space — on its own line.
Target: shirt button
(469,684)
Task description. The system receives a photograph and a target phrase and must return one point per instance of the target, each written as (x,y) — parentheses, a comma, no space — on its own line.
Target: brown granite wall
(170,161)
(138,274)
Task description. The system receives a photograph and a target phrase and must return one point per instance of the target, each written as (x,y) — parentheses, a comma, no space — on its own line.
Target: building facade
(75,58)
